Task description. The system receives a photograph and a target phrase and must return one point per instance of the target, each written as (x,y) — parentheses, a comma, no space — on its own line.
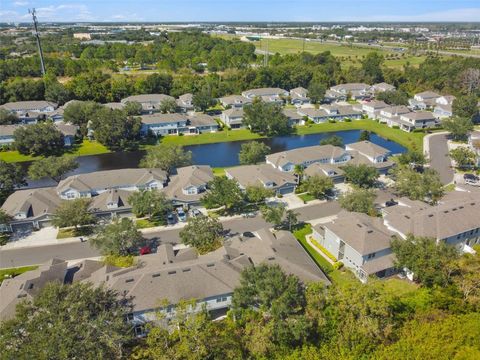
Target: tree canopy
(464,157)
(11,177)
(39,139)
(266,118)
(74,212)
(459,127)
(334,140)
(424,186)
(359,200)
(54,167)
(120,238)
(253,152)
(223,192)
(362,175)
(151,203)
(166,157)
(202,232)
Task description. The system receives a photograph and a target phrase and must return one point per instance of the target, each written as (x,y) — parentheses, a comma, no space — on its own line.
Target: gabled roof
(8,130)
(158,118)
(428,94)
(201,120)
(195,175)
(235,99)
(33,202)
(350,87)
(419,116)
(234,112)
(115,196)
(264,92)
(109,179)
(383,87)
(262,174)
(368,148)
(304,154)
(148,98)
(396,110)
(67,129)
(365,234)
(114,105)
(27,105)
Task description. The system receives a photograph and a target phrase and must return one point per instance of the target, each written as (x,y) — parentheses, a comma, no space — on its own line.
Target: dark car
(248,234)
(171,219)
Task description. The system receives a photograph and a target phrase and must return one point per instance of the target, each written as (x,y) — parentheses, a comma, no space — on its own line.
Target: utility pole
(37,36)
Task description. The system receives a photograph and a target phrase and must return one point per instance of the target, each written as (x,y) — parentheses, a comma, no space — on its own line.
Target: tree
(253,152)
(54,167)
(332,140)
(291,219)
(38,139)
(464,157)
(471,80)
(8,118)
(150,203)
(361,175)
(57,92)
(223,192)
(412,158)
(431,262)
(154,84)
(359,200)
(424,186)
(116,130)
(459,127)
(81,113)
(364,135)
(96,313)
(12,176)
(120,238)
(273,213)
(393,97)
(132,108)
(202,232)
(202,100)
(299,171)
(316,92)
(270,291)
(372,66)
(168,106)
(258,193)
(318,186)
(465,106)
(166,157)
(74,213)
(266,118)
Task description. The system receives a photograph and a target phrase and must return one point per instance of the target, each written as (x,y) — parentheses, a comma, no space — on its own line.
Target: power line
(37,36)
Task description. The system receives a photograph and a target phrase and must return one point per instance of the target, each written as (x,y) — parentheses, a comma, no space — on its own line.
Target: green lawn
(306,197)
(65,233)
(207,138)
(408,140)
(87,147)
(147,223)
(7,273)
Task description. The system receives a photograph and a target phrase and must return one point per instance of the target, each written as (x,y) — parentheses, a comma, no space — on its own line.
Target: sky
(241,10)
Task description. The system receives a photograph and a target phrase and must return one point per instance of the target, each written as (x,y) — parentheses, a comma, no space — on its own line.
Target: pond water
(219,154)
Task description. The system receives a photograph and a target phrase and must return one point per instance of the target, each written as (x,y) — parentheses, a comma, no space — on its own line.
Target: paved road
(439,159)
(77,250)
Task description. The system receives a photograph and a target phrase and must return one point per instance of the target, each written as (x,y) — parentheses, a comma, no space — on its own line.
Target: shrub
(331,121)
(395,127)
(279,196)
(338,265)
(347,120)
(119,261)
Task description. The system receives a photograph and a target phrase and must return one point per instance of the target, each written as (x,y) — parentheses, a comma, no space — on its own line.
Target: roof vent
(430,215)
(370,231)
(128,280)
(210,265)
(360,226)
(271,258)
(172,272)
(445,211)
(186,270)
(472,204)
(155,275)
(408,217)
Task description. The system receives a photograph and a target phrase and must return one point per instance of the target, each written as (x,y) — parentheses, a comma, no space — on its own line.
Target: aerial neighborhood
(239,191)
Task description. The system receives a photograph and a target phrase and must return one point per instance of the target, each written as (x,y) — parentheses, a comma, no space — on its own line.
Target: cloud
(461,15)
(20,3)
(65,12)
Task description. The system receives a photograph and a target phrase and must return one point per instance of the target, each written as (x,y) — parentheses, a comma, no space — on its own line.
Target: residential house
(382,87)
(28,111)
(188,185)
(68,131)
(424,100)
(416,120)
(391,114)
(150,102)
(95,183)
(233,118)
(266,94)
(360,242)
(114,105)
(27,285)
(454,222)
(185,102)
(305,156)
(372,109)
(200,123)
(373,152)
(299,96)
(234,101)
(30,208)
(163,124)
(443,106)
(111,203)
(6,134)
(316,115)
(356,91)
(330,112)
(265,175)
(294,118)
(332,171)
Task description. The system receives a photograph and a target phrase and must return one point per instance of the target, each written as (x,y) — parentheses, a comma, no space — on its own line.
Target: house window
(129,316)
(371,256)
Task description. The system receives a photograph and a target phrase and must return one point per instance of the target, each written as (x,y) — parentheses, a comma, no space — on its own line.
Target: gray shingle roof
(159,118)
(263,174)
(195,175)
(148,98)
(27,105)
(368,148)
(34,202)
(305,154)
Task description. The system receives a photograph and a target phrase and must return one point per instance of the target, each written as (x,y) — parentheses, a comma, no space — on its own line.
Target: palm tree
(299,171)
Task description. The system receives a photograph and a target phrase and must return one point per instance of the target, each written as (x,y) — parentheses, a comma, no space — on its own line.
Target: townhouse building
(234,101)
(233,118)
(150,102)
(443,106)
(267,95)
(299,96)
(424,100)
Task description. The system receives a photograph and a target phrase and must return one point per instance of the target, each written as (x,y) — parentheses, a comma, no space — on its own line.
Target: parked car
(248,234)
(181,215)
(471,179)
(145,250)
(171,219)
(195,213)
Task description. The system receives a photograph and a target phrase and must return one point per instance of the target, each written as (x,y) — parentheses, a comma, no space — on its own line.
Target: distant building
(266,94)
(233,118)
(82,36)
(299,96)
(150,102)
(424,100)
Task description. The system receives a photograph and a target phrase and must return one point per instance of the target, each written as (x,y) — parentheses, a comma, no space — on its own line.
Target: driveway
(439,158)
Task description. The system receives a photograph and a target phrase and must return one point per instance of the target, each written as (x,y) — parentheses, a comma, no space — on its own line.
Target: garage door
(286,190)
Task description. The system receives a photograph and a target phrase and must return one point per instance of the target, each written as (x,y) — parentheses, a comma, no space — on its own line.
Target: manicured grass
(148,223)
(218,171)
(408,140)
(72,232)
(119,261)
(301,234)
(306,197)
(208,138)
(87,147)
(7,273)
